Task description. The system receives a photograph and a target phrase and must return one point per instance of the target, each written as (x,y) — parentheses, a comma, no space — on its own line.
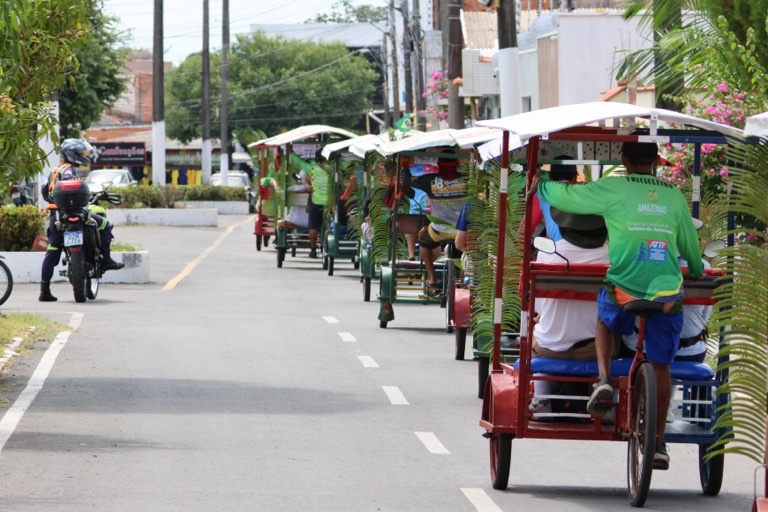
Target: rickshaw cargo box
(71,194)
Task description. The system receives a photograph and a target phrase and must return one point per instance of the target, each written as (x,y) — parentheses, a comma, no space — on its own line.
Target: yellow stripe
(170,285)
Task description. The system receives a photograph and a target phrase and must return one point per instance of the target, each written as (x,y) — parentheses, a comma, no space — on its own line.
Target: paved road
(230,385)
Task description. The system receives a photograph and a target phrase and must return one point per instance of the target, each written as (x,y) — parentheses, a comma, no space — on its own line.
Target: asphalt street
(227,384)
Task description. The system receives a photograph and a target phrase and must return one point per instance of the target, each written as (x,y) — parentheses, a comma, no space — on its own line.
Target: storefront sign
(118,153)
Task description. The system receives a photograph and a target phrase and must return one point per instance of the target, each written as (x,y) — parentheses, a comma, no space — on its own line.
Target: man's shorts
(315,215)
(662,330)
(431,239)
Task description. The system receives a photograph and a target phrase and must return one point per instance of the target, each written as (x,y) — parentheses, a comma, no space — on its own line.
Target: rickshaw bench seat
(681,370)
(416,265)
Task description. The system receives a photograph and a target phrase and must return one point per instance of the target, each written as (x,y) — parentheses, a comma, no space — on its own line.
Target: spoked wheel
(710,471)
(6,282)
(642,437)
(92,287)
(367,289)
(501,458)
(258,242)
(461,342)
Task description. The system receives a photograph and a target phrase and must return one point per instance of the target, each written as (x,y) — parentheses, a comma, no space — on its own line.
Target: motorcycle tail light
(73,219)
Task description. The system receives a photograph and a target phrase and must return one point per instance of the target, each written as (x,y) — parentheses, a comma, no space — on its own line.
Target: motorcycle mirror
(115,199)
(545,244)
(713,248)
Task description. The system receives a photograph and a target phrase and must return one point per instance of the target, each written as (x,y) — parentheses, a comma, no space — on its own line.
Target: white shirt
(563,322)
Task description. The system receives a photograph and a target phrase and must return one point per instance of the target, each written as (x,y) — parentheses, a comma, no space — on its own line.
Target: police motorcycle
(84,262)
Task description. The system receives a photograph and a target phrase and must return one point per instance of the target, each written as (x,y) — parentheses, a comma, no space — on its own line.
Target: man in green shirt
(318,180)
(648,222)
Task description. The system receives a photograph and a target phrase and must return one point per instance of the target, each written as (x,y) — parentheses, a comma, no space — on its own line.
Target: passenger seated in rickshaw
(565,328)
(298,216)
(266,204)
(446,191)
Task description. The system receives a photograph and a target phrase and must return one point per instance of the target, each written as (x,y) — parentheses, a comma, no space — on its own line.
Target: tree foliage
(37,56)
(274,84)
(97,83)
(351,14)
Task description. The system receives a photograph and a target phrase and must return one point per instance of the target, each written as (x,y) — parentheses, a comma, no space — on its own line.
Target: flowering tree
(436,92)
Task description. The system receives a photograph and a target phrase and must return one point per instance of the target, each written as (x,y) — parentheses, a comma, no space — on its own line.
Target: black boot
(45,292)
(110,264)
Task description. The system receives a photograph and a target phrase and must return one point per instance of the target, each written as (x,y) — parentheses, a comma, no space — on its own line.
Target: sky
(183,20)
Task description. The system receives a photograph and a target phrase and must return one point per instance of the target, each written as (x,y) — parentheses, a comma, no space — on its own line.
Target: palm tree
(717,44)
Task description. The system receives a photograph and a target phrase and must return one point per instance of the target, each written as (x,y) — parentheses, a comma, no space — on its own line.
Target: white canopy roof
(329,149)
(301,133)
(757,126)
(548,120)
(464,138)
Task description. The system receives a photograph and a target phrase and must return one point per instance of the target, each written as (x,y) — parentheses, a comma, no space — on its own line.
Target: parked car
(237,179)
(98,179)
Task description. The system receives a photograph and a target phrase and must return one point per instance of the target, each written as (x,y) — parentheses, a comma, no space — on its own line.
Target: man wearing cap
(648,222)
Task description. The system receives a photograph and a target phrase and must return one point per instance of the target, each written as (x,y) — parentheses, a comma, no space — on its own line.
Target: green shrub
(150,196)
(19,225)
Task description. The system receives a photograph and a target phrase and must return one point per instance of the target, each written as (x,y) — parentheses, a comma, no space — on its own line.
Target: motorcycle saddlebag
(71,194)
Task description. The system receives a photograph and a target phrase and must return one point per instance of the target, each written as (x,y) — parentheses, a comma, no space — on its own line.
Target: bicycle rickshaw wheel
(483,369)
(6,282)
(501,459)
(280,257)
(710,471)
(330,265)
(258,242)
(367,289)
(460,335)
(642,436)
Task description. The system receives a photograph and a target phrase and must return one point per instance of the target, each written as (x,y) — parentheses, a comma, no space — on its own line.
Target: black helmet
(76,151)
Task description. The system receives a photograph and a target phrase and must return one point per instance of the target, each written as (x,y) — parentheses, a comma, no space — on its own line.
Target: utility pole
(395,70)
(407,59)
(224,74)
(158,105)
(206,111)
(418,45)
(509,60)
(453,55)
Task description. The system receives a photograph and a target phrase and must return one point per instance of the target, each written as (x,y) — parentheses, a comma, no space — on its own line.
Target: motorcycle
(83,259)
(21,194)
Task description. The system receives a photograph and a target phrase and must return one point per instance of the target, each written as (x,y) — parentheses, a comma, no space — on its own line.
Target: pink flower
(722,87)
(724,172)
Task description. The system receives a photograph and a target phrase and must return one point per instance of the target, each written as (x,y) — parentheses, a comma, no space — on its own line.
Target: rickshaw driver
(647,219)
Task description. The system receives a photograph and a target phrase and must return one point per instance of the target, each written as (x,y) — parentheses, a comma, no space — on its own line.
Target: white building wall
(529,80)
(591,46)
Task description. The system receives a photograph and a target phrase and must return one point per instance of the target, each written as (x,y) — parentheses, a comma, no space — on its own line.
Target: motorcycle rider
(73,153)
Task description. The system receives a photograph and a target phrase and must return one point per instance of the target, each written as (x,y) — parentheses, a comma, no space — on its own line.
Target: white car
(99,179)
(237,179)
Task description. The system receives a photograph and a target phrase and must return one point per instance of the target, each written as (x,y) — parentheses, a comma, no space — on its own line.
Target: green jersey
(319,185)
(648,222)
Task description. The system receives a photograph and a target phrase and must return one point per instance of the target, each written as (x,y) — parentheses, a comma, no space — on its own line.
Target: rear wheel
(642,435)
(280,257)
(710,471)
(77,275)
(6,282)
(383,324)
(367,289)
(258,242)
(330,265)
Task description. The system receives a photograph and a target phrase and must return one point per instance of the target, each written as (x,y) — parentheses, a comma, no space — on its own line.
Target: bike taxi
(593,134)
(427,191)
(298,150)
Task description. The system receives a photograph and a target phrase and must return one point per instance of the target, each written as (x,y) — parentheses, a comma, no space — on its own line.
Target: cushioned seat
(681,370)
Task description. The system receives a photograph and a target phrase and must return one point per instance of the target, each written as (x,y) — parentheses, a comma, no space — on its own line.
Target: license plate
(73,238)
(15,195)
